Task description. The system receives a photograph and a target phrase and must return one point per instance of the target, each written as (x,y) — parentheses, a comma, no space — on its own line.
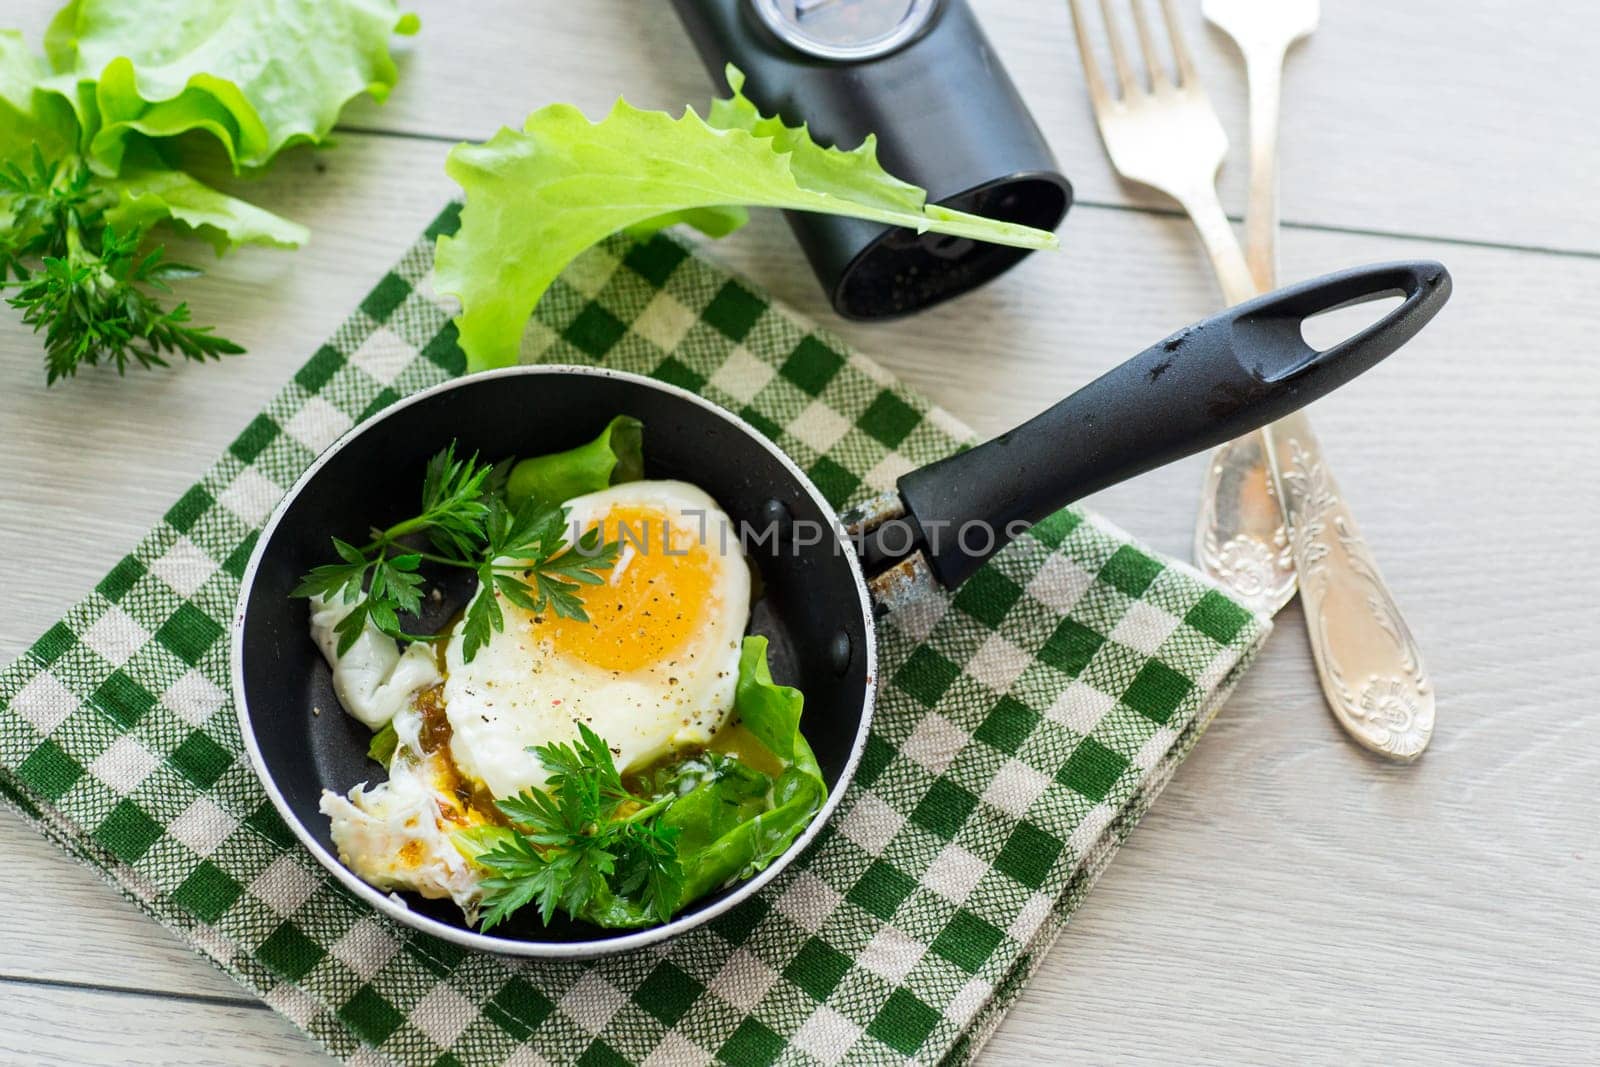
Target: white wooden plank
(44,1025)
(1462,118)
(82,930)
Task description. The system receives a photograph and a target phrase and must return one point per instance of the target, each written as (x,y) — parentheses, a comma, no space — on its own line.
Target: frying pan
(1219,378)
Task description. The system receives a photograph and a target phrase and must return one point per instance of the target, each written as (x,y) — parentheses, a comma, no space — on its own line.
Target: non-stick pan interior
(811,609)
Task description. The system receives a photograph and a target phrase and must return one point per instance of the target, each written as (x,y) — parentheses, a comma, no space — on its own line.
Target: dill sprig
(85,283)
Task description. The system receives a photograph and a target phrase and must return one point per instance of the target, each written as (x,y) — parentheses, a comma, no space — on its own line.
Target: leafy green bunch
(99,141)
(517,548)
(90,288)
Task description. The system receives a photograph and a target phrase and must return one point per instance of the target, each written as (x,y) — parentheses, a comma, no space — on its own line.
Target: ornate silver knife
(1367,661)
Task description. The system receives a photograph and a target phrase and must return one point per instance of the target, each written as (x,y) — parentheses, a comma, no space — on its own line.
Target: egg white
(373,679)
(396,834)
(523,690)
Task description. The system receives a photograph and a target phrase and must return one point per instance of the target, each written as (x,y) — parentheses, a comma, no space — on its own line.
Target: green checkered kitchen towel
(1024,725)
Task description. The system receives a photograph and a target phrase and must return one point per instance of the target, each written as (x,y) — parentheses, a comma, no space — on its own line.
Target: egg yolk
(653,600)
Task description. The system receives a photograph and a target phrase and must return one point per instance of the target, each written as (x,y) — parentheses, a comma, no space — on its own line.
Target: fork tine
(1147,44)
(1186,72)
(1098,95)
(1119,58)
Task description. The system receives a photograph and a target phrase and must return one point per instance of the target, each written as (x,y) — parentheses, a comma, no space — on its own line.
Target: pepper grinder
(922,76)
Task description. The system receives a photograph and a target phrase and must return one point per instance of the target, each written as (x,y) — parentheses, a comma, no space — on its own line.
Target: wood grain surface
(1289,899)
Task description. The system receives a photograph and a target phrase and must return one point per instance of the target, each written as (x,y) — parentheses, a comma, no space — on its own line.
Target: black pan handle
(1220,378)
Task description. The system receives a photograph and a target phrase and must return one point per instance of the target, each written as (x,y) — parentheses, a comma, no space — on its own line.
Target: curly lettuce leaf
(711,221)
(768,710)
(537,197)
(258,75)
(30,114)
(146,192)
(616,456)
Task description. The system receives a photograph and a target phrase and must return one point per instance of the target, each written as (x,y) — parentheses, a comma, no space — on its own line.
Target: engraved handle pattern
(1367,660)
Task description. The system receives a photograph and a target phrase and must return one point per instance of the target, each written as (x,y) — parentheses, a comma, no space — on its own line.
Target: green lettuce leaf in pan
(741,842)
(539,196)
(616,456)
(258,75)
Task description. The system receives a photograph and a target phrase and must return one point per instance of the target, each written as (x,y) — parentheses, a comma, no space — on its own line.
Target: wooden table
(1289,899)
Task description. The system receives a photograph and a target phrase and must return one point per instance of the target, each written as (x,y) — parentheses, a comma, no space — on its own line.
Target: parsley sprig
(518,551)
(85,283)
(584,839)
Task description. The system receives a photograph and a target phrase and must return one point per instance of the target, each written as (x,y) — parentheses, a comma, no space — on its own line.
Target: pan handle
(1220,378)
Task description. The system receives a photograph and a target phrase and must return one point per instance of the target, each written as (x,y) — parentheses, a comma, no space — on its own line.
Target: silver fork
(1168,136)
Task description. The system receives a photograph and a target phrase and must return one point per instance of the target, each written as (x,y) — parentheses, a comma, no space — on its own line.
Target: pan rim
(390,903)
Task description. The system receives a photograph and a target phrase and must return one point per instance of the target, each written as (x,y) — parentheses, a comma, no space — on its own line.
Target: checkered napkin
(1024,725)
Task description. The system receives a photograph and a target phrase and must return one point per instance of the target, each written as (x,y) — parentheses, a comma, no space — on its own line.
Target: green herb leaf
(648,867)
(483,619)
(586,846)
(454,508)
(537,197)
(519,553)
(85,283)
(533,539)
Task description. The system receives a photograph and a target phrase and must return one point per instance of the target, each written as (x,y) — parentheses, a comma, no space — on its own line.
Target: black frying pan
(1220,378)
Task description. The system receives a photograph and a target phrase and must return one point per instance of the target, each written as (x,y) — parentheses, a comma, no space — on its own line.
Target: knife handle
(1367,660)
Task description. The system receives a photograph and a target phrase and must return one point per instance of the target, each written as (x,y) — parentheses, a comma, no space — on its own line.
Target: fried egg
(654,668)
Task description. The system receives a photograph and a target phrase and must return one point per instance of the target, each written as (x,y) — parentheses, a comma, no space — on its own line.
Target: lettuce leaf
(148,192)
(768,710)
(30,114)
(616,456)
(537,197)
(722,836)
(383,744)
(258,75)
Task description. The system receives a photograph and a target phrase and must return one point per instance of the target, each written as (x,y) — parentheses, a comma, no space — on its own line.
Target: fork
(1167,135)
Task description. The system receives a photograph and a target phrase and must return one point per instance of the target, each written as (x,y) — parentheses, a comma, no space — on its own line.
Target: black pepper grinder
(923,77)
